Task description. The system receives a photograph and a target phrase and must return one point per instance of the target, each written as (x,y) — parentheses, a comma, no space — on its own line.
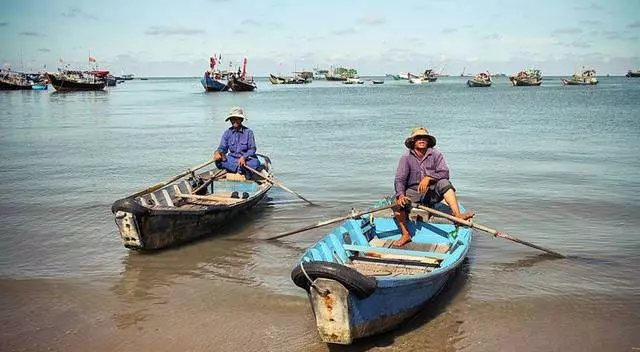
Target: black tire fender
(360,285)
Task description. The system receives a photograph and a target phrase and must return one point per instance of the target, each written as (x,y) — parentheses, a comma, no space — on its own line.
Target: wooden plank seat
(396,253)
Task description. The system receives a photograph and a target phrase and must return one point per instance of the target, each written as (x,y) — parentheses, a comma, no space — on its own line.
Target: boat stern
(128,229)
(330,303)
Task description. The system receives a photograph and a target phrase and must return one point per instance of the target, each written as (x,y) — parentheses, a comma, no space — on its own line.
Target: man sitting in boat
(237,146)
(422,177)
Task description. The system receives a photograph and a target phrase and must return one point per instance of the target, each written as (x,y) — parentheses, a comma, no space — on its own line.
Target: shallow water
(556,166)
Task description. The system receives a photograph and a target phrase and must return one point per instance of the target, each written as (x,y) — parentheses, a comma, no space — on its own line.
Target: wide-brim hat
(236,111)
(419,131)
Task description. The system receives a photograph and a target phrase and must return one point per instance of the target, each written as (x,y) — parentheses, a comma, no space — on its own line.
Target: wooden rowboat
(187,209)
(359,286)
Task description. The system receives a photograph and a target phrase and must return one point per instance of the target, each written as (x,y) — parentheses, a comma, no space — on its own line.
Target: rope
(323,293)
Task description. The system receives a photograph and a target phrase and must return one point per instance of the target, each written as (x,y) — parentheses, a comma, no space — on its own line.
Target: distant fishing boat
(187,209)
(353,80)
(69,80)
(585,78)
(399,77)
(415,79)
(377,81)
(340,74)
(359,285)
(240,82)
(530,77)
(482,79)
(214,79)
(10,80)
(287,80)
(633,73)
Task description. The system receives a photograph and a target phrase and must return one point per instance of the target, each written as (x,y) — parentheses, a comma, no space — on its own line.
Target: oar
(279,184)
(327,222)
(486,229)
(157,186)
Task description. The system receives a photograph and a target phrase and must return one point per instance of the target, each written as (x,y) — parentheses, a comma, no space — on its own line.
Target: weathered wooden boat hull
(67,85)
(11,86)
(478,83)
(213,85)
(524,83)
(569,82)
(349,303)
(633,74)
(288,80)
(238,85)
(152,221)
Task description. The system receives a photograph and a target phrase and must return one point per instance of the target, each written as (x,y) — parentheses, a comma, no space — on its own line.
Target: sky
(176,38)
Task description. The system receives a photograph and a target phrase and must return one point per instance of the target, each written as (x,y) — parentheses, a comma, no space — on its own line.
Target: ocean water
(556,166)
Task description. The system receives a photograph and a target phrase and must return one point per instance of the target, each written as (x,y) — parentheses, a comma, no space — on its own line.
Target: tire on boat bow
(360,285)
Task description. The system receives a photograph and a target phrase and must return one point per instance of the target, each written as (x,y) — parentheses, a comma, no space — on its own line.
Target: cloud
(611,35)
(4,24)
(76,12)
(239,32)
(44,50)
(635,24)
(251,22)
(577,44)
(493,36)
(167,31)
(567,31)
(219,1)
(31,34)
(634,38)
(590,7)
(344,31)
(449,30)
(591,22)
(372,20)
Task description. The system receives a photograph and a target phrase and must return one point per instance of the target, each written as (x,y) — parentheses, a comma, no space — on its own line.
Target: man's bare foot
(402,241)
(465,216)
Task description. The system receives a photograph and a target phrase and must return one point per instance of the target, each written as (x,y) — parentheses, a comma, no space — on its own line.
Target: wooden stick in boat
(485,229)
(211,179)
(279,184)
(209,197)
(328,222)
(157,186)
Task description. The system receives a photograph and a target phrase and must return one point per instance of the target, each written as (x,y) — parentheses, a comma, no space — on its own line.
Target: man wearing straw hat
(422,177)
(237,146)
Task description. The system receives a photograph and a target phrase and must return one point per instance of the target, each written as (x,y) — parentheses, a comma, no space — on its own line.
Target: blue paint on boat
(213,85)
(39,86)
(343,318)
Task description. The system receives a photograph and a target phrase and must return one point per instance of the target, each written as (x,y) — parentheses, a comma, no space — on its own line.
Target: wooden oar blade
(277,183)
(496,233)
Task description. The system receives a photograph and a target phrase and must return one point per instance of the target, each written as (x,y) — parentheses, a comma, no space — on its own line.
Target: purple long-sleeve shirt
(411,169)
(238,142)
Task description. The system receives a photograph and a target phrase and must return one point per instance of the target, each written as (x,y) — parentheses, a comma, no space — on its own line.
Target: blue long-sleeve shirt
(411,169)
(238,142)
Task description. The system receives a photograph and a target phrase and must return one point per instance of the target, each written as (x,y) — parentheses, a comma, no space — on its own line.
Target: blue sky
(176,38)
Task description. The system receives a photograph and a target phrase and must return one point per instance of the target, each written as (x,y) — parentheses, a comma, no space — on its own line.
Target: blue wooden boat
(211,84)
(187,209)
(359,286)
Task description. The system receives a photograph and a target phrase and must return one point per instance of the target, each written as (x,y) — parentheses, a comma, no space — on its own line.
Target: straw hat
(419,131)
(236,111)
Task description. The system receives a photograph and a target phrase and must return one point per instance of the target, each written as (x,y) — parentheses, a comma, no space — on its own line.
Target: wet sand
(195,314)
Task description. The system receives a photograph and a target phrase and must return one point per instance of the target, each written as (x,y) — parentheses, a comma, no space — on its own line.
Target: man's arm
(402,175)
(224,145)
(440,170)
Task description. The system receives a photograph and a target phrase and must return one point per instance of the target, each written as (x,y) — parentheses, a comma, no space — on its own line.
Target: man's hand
(424,185)
(403,200)
(217,156)
(241,161)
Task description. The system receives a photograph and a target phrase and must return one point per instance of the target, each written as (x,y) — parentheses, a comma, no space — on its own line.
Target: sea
(553,165)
